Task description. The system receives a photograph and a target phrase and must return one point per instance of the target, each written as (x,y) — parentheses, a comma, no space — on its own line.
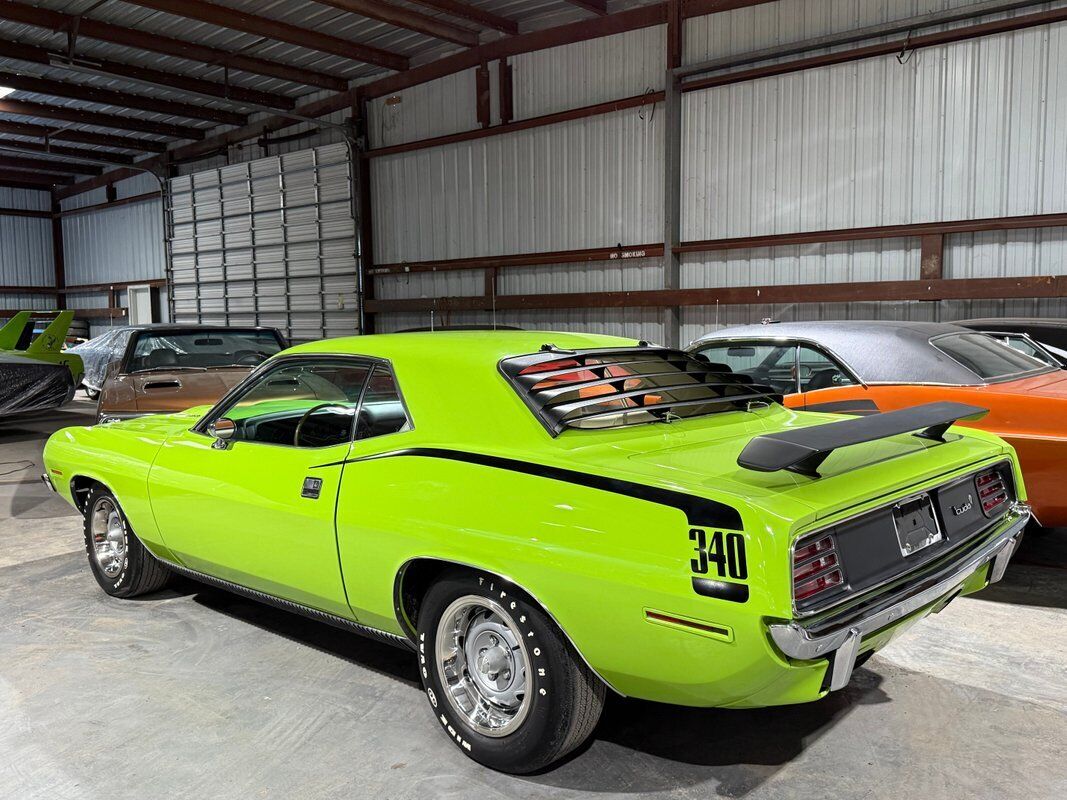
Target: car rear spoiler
(803,450)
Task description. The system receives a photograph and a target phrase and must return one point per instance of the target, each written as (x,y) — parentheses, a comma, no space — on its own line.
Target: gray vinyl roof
(875,351)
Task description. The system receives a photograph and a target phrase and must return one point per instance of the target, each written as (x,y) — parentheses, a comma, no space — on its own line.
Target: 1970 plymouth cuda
(542,517)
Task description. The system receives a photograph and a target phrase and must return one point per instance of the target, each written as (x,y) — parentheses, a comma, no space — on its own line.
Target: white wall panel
(742,30)
(446,105)
(114,244)
(621,275)
(968,130)
(26,251)
(595,71)
(833,262)
(633,323)
(590,182)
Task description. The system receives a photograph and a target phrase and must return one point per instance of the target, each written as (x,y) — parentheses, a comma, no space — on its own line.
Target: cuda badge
(963,508)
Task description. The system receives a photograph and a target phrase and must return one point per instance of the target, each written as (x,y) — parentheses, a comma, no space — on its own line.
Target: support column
(361,197)
(58,255)
(672,173)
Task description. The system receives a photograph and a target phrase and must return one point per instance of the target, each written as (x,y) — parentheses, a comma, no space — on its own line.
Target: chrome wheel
(109,537)
(483,665)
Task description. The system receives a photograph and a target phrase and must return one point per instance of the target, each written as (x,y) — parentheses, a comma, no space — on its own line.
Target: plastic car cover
(29,385)
(99,354)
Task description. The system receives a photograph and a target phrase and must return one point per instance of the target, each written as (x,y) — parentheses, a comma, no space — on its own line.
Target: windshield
(986,357)
(202,349)
(613,388)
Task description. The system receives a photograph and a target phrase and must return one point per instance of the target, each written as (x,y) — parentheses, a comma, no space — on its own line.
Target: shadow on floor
(737,750)
(1037,575)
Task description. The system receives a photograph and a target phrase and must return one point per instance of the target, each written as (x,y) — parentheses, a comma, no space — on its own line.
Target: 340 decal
(725,550)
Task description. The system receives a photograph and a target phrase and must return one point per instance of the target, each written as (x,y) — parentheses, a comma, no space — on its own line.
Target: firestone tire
(474,619)
(119,562)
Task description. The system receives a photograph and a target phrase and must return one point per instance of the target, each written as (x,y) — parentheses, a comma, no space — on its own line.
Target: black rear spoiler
(803,450)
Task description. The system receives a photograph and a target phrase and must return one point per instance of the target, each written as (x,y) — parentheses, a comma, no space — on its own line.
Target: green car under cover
(612,515)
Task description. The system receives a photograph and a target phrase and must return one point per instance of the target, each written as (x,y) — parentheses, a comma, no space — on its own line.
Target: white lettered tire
(119,562)
(503,682)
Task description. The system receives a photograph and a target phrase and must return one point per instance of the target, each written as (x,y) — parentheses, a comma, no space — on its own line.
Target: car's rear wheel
(120,563)
(504,683)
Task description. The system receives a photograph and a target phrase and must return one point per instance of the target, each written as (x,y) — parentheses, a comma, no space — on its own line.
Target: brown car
(167,368)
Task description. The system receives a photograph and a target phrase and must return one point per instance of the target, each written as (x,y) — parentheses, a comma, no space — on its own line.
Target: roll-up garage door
(266,242)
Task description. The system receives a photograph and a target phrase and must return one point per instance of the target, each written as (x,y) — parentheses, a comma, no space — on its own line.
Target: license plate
(916,524)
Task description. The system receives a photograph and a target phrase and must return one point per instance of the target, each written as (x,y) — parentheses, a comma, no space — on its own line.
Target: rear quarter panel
(594,559)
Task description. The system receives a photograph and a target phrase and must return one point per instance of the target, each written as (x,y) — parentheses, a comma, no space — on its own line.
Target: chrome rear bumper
(838,634)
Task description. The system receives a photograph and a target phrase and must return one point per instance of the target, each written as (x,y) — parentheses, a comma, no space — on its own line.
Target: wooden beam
(273,29)
(99,66)
(71,152)
(23,108)
(122,201)
(859,291)
(595,6)
(33,178)
(524,259)
(25,212)
(23,185)
(93,94)
(407,18)
(48,165)
(486,19)
(931,254)
(909,230)
(890,47)
(82,137)
(522,125)
(129,37)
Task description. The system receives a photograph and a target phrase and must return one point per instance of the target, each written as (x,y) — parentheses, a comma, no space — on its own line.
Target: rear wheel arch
(417,575)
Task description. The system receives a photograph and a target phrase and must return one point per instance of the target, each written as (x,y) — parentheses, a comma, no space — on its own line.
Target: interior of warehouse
(706,179)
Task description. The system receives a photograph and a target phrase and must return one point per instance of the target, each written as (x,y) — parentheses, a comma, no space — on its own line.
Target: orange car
(866,367)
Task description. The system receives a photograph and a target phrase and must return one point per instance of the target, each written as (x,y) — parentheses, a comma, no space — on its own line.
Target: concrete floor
(194,693)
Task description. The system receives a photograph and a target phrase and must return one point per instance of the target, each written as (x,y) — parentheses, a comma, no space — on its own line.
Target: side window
(303,404)
(772,365)
(816,370)
(383,409)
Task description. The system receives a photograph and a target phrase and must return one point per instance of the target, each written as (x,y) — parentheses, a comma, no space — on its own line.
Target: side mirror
(223,430)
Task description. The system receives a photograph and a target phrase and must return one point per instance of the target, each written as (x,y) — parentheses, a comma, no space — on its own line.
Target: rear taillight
(816,568)
(992,491)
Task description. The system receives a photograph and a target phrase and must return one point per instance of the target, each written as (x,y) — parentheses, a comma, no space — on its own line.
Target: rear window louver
(611,388)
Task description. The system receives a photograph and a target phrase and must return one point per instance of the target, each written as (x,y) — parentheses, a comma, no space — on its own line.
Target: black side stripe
(699,511)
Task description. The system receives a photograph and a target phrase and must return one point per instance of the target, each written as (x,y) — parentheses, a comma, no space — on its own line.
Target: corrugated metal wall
(26,249)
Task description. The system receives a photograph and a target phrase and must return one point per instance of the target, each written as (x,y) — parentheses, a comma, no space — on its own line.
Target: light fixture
(5,91)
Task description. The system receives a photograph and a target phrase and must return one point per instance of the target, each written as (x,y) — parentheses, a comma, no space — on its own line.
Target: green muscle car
(544,517)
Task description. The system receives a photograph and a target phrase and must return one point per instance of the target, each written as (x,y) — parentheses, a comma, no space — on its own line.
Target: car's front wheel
(120,563)
(504,683)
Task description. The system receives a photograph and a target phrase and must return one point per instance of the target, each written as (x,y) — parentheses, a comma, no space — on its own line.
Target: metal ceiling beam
(487,19)
(23,108)
(595,6)
(141,75)
(129,37)
(406,18)
(35,178)
(99,156)
(274,29)
(110,97)
(47,165)
(23,185)
(82,137)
